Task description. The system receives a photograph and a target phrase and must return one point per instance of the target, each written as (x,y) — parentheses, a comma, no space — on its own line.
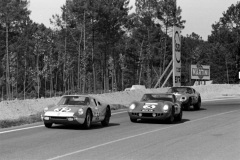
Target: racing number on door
(97,114)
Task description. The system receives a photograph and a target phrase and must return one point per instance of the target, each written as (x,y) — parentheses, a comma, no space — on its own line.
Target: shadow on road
(161,122)
(193,110)
(80,127)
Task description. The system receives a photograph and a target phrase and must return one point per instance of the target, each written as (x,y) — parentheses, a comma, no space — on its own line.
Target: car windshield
(178,90)
(157,97)
(74,100)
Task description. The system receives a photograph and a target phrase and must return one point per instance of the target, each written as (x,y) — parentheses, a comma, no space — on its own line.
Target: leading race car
(77,109)
(159,106)
(188,96)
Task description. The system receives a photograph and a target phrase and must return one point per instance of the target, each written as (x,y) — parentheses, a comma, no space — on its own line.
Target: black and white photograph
(119,80)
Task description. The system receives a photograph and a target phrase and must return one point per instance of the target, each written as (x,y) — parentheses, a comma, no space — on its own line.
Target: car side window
(93,102)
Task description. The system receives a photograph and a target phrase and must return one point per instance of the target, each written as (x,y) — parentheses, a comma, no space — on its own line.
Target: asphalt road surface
(212,133)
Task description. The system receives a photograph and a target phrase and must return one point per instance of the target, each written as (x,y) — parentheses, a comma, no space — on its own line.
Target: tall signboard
(176,54)
(200,72)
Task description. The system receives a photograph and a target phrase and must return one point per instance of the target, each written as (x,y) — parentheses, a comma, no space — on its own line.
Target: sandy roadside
(17,108)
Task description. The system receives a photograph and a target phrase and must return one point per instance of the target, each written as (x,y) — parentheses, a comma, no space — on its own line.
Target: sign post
(200,73)
(176,54)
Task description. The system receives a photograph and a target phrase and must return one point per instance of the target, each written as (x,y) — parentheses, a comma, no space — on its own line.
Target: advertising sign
(176,51)
(201,72)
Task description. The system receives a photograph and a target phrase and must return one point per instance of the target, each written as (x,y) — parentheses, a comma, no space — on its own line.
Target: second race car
(159,106)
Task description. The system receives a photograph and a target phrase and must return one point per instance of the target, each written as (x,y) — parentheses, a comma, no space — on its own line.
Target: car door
(101,109)
(95,110)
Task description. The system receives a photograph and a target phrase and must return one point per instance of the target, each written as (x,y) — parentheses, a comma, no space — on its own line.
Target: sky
(199,14)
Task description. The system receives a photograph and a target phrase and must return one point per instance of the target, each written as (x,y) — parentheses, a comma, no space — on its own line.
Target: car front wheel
(179,116)
(198,104)
(171,118)
(88,120)
(133,120)
(188,105)
(48,125)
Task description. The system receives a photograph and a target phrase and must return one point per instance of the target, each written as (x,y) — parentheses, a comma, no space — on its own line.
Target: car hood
(155,105)
(66,108)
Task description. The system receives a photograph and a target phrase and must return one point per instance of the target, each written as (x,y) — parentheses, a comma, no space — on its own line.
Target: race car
(77,109)
(188,96)
(159,106)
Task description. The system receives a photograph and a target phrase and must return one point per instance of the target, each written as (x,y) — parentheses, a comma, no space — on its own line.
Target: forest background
(99,47)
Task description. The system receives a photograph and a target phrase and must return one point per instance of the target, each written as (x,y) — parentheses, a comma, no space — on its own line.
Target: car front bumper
(62,118)
(149,115)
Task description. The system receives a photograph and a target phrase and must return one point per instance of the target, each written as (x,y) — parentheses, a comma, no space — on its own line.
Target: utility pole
(65,49)
(7,64)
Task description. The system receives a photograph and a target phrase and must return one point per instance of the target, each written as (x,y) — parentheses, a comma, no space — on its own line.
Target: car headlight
(45,109)
(80,111)
(183,98)
(132,106)
(165,108)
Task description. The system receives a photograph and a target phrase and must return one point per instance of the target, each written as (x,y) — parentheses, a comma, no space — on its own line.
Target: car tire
(188,105)
(48,125)
(106,120)
(198,104)
(134,120)
(88,120)
(179,116)
(171,118)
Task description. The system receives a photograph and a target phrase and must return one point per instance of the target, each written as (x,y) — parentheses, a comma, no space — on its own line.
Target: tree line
(98,46)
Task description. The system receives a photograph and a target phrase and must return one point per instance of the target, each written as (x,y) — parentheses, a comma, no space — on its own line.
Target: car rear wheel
(106,120)
(48,125)
(88,120)
(198,104)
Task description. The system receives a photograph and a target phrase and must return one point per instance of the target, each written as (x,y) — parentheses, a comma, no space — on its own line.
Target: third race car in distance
(188,96)
(159,106)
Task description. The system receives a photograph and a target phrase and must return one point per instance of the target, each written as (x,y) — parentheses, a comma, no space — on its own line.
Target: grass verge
(20,121)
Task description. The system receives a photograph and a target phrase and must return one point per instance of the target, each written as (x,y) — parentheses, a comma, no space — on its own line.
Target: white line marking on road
(14,130)
(137,135)
(119,112)
(219,99)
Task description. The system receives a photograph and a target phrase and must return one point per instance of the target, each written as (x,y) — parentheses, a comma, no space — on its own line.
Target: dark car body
(77,109)
(159,106)
(188,96)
